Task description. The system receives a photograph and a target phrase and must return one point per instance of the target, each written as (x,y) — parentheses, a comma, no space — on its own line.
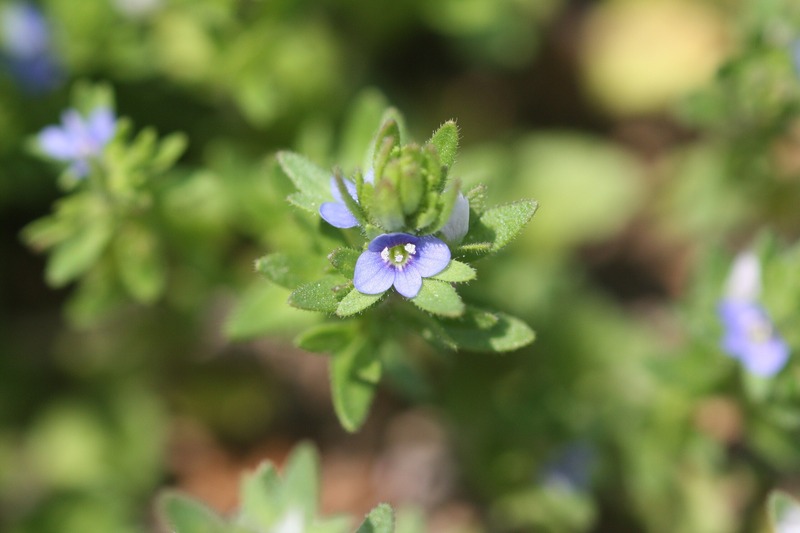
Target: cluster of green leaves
(271,504)
(103,233)
(412,192)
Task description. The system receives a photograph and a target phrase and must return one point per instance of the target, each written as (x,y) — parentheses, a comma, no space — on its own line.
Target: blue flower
(751,338)
(571,469)
(336,213)
(458,224)
(401,260)
(79,140)
(27,48)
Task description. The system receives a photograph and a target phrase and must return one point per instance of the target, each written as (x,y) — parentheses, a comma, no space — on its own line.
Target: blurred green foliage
(145,315)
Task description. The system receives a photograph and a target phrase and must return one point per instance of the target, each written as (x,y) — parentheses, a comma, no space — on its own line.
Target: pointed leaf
(456,272)
(439,298)
(445,139)
(260,497)
(312,182)
(169,150)
(355,372)
(379,520)
(481,330)
(501,224)
(355,302)
(290,270)
(301,481)
(184,515)
(321,295)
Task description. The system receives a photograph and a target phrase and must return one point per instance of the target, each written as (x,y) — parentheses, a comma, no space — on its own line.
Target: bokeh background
(659,137)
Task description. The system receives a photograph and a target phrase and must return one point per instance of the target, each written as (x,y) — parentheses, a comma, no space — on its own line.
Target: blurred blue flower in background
(750,335)
(401,260)
(571,469)
(79,140)
(27,48)
(336,213)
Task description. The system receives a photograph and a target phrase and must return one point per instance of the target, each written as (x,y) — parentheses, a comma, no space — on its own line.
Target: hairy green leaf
(445,139)
(456,272)
(344,261)
(379,520)
(74,256)
(312,182)
(326,338)
(355,372)
(481,330)
(501,224)
(439,298)
(290,270)
(355,302)
(321,295)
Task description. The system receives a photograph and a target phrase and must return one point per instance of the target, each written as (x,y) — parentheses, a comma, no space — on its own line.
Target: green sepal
(344,261)
(140,262)
(387,140)
(329,337)
(355,302)
(289,270)
(312,182)
(355,373)
(473,251)
(439,298)
(445,139)
(486,331)
(182,514)
(379,520)
(476,197)
(321,295)
(433,169)
(430,214)
(447,200)
(456,272)
(500,225)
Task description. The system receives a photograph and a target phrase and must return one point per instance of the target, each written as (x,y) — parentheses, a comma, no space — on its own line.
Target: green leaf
(326,338)
(262,310)
(290,270)
(74,256)
(501,224)
(379,520)
(355,372)
(301,481)
(473,251)
(140,262)
(344,261)
(355,302)
(184,515)
(481,330)
(260,497)
(445,139)
(321,295)
(170,149)
(456,272)
(783,511)
(439,298)
(312,182)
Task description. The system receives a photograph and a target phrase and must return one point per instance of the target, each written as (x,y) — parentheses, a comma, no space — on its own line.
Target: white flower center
(399,255)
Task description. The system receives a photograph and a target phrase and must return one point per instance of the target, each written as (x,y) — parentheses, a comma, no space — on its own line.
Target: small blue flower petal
(433,256)
(408,281)
(337,215)
(78,140)
(458,224)
(55,142)
(372,274)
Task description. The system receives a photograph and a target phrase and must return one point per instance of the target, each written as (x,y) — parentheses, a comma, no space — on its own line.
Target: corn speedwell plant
(408,236)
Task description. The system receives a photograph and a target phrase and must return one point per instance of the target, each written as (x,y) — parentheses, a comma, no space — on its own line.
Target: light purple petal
(101,125)
(349,185)
(372,274)
(55,142)
(408,281)
(432,256)
(74,125)
(337,215)
(768,358)
(24,30)
(388,240)
(458,223)
(369,177)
